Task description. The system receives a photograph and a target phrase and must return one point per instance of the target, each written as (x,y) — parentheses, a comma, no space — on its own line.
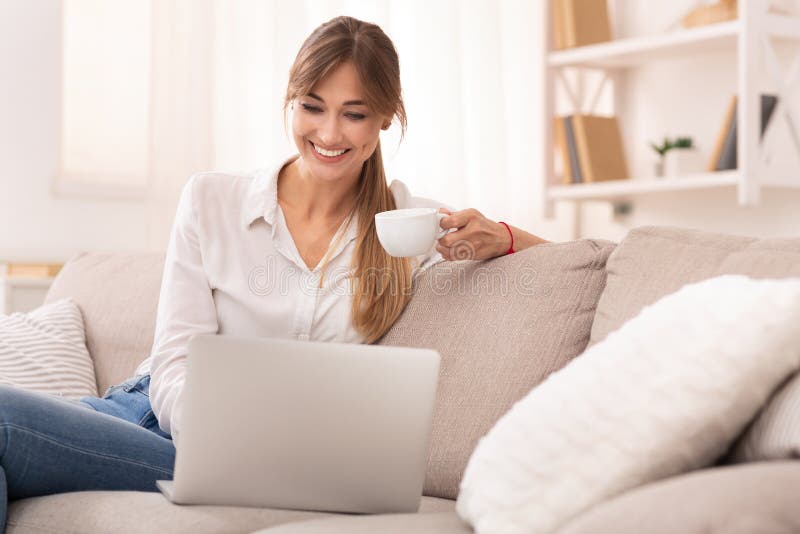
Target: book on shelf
(716,152)
(30,270)
(572,151)
(724,156)
(565,144)
(557,17)
(560,142)
(579,23)
(590,147)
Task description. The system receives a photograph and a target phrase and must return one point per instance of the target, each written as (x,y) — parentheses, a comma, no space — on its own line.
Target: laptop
(304,425)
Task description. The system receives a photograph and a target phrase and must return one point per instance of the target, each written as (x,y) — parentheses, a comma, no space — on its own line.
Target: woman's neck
(312,199)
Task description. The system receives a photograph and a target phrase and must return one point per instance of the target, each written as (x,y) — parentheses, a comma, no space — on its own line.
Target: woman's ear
(386,125)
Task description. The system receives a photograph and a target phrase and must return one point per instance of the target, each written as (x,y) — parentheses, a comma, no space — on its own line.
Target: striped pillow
(45,350)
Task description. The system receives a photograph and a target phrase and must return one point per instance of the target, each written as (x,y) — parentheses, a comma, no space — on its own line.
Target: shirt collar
(262,200)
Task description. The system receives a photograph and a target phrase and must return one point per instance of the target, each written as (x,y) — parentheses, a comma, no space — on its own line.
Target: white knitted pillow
(45,350)
(664,394)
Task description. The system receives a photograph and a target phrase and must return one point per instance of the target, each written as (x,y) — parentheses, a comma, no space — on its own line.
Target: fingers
(445,252)
(461,250)
(450,239)
(457,219)
(467,242)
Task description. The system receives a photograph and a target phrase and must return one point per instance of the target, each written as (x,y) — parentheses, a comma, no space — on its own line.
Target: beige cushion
(90,512)
(654,261)
(118,296)
(440,523)
(501,327)
(745,499)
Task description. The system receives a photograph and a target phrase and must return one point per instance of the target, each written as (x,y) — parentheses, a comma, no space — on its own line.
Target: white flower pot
(682,161)
(658,168)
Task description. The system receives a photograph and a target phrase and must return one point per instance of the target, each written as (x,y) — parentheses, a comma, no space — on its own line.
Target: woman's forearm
(523,239)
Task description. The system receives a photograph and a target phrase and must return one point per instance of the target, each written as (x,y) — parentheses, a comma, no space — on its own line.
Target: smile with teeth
(329,153)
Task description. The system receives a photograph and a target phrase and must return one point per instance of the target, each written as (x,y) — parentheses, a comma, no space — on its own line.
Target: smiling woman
(346,83)
(310,218)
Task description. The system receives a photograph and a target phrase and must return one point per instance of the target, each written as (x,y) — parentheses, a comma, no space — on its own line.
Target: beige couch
(501,327)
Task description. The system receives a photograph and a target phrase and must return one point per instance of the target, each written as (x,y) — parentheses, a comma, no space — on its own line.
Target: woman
(283,253)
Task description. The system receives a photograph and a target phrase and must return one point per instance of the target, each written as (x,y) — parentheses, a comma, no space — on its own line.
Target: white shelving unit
(749,36)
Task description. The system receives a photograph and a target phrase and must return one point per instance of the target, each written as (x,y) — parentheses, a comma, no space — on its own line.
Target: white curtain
(471,75)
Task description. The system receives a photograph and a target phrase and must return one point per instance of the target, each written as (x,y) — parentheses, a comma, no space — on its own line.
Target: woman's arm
(185,308)
(478,238)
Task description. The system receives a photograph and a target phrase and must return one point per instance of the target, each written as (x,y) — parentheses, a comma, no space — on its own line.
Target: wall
(35,225)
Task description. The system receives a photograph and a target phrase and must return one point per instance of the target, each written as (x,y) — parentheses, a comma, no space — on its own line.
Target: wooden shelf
(634,51)
(618,189)
(624,189)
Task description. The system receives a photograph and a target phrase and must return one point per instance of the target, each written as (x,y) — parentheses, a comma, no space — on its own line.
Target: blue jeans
(54,445)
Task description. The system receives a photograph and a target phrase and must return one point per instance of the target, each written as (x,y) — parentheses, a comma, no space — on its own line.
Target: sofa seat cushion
(438,523)
(501,327)
(757,497)
(86,512)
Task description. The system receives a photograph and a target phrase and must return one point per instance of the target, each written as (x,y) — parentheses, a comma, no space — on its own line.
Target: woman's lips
(328,159)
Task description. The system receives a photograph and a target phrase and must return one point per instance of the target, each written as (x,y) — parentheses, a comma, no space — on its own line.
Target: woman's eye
(315,109)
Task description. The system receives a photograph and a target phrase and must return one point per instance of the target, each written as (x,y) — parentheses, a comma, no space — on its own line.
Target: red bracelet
(511,248)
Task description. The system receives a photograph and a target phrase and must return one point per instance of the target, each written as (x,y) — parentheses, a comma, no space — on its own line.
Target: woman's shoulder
(215,183)
(215,196)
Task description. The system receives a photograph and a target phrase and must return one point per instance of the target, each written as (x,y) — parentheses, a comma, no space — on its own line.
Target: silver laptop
(304,425)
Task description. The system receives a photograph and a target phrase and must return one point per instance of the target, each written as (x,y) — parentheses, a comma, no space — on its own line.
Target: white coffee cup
(409,232)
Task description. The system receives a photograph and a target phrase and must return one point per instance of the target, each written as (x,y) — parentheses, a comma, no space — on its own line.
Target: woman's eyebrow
(348,103)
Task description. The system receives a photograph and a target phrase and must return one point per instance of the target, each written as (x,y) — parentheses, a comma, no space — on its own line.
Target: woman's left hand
(476,237)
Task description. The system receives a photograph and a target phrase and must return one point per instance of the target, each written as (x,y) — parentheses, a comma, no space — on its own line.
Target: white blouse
(232,268)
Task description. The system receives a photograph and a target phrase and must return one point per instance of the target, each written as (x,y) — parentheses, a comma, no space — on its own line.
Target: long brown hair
(382,283)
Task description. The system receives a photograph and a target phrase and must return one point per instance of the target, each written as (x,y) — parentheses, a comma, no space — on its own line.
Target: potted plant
(676,156)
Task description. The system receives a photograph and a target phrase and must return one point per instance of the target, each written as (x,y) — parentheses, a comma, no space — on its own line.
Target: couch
(501,326)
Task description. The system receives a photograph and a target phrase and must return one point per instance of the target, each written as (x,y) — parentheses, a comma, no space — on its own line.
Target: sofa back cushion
(501,327)
(654,261)
(117,294)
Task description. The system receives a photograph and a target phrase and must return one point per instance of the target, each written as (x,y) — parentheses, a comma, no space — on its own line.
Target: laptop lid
(305,425)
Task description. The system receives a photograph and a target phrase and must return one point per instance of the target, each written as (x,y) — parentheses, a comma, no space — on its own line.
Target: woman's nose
(329,132)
